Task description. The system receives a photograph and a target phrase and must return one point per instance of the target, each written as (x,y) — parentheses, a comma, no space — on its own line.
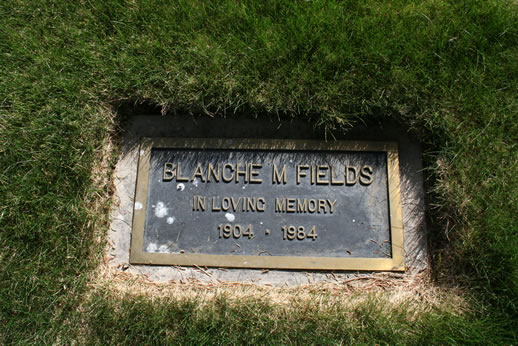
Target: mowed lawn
(71,71)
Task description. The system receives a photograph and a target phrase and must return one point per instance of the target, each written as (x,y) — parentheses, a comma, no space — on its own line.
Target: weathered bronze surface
(268,204)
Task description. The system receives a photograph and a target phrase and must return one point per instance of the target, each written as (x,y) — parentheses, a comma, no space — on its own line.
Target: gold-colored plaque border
(395,263)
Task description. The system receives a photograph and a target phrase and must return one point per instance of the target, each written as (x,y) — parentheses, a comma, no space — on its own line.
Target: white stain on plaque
(160,210)
(170,220)
(151,247)
(138,206)
(230,217)
(163,249)
(195,182)
(180,187)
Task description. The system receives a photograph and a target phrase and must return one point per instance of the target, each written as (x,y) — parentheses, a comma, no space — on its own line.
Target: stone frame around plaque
(394,263)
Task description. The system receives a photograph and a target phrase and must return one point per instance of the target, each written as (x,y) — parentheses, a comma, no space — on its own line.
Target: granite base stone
(125,176)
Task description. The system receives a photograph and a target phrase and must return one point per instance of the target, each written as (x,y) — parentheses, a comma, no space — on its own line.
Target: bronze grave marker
(279,204)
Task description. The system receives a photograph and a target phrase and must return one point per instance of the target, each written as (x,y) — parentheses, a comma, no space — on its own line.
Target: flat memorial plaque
(281,204)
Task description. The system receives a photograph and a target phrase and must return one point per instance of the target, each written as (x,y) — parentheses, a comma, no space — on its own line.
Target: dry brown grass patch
(388,290)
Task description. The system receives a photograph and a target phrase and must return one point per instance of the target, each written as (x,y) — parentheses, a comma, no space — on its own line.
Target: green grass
(137,320)
(445,70)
